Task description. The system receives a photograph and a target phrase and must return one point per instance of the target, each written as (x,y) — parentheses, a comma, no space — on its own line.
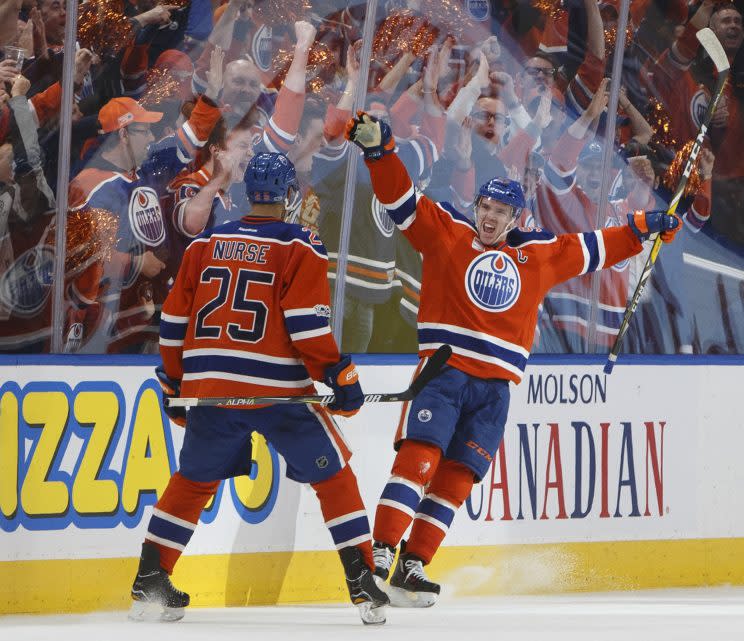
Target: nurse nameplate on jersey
(492,281)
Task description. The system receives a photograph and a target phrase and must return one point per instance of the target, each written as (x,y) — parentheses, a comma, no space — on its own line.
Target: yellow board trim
(84,585)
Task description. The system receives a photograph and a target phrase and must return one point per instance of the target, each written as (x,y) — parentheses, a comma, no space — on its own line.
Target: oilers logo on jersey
(262,48)
(146,217)
(698,106)
(479,10)
(26,285)
(383,222)
(492,281)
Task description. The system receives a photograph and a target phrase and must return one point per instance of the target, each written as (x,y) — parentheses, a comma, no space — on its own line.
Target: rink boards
(601,483)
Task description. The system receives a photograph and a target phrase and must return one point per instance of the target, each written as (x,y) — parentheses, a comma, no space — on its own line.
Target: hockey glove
(372,135)
(645,223)
(344,380)
(171,389)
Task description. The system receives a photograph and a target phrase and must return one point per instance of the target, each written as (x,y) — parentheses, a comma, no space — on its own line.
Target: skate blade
(154,612)
(370,614)
(400,598)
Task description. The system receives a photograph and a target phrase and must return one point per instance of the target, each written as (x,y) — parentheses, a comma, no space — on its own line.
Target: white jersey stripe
(310,333)
(173,519)
(601,250)
(170,342)
(499,342)
(174,319)
(236,353)
(166,542)
(253,380)
(477,356)
(299,311)
(585,253)
(346,517)
(397,506)
(429,519)
(402,481)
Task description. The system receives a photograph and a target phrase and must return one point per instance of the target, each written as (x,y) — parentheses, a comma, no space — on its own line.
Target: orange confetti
(677,166)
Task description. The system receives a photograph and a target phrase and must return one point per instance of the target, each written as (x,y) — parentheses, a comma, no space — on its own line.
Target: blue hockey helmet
(269,178)
(505,191)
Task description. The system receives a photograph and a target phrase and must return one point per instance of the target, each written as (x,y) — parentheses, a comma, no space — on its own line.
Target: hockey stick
(714,49)
(430,370)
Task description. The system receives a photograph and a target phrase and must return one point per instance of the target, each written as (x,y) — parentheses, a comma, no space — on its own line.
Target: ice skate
(409,585)
(155,597)
(363,590)
(384,555)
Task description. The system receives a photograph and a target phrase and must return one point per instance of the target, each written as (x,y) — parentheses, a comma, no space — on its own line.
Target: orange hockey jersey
(483,301)
(249,312)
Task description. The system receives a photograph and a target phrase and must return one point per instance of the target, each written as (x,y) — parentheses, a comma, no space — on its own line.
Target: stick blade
(431,369)
(713,47)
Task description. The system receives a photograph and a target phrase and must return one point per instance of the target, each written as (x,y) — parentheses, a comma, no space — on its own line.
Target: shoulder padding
(521,236)
(449,208)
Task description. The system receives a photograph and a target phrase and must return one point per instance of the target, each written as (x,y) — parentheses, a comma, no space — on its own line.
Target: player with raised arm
(249,315)
(481,286)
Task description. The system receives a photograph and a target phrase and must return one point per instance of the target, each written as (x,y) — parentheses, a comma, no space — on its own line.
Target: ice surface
(715,614)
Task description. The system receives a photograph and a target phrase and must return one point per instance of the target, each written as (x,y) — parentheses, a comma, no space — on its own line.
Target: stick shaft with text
(429,371)
(714,49)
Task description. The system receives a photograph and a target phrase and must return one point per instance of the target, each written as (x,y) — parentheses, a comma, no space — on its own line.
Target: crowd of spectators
(172,100)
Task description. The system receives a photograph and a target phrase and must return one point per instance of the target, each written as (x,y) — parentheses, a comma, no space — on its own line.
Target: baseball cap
(175,60)
(120,112)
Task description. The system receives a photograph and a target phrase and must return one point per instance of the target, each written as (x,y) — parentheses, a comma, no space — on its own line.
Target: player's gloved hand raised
(344,380)
(171,389)
(371,134)
(645,223)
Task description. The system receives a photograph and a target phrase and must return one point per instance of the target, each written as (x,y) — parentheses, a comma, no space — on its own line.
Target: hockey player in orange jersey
(481,286)
(249,315)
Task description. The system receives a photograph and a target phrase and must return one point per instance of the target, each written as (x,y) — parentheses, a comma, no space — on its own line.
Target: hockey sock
(175,516)
(450,486)
(344,513)
(413,468)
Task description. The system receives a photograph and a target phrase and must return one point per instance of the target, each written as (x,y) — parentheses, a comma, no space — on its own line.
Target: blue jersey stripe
(244,367)
(172,331)
(169,531)
(480,346)
(456,215)
(582,309)
(590,240)
(401,213)
(349,530)
(401,494)
(437,511)
(296,324)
